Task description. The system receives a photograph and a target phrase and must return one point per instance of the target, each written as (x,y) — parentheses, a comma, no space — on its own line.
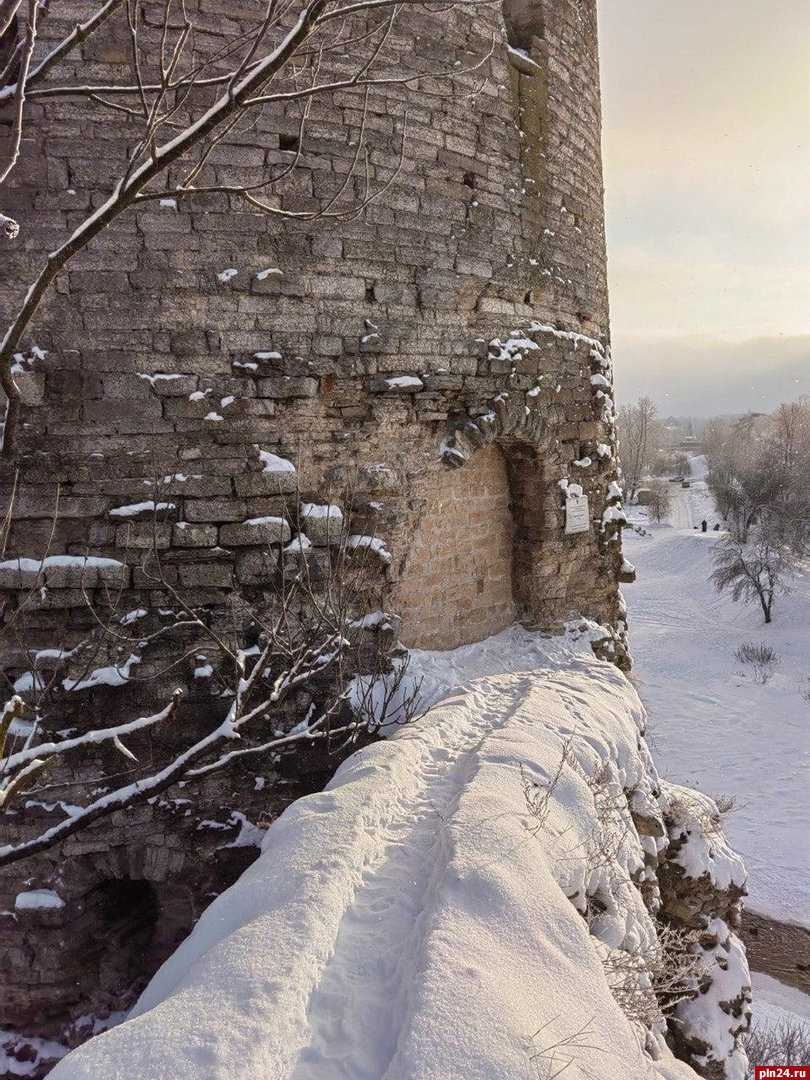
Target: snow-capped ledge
(415,922)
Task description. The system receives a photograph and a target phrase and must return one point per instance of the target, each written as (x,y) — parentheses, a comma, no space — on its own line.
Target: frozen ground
(712,726)
(774,1002)
(413,921)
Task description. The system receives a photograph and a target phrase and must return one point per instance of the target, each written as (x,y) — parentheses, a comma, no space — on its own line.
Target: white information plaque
(577,518)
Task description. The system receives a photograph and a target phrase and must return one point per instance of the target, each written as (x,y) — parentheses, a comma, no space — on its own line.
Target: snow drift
(416,922)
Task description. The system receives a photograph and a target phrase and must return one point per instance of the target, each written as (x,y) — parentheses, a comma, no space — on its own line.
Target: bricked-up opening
(456,587)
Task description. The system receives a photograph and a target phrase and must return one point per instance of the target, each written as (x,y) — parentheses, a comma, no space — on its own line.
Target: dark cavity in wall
(123,915)
(524,21)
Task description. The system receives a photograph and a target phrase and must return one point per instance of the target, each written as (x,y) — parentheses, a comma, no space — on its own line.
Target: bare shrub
(613,821)
(696,810)
(651,981)
(786,1042)
(553,1059)
(726,804)
(538,795)
(761,658)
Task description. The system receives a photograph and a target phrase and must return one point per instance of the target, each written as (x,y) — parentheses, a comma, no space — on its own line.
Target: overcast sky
(707,166)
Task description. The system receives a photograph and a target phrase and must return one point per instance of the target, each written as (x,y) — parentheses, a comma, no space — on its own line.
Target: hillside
(712,726)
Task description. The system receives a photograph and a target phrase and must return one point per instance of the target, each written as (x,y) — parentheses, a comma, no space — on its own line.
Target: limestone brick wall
(456,586)
(447,347)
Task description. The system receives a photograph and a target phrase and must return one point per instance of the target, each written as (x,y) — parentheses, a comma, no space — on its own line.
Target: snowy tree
(759,472)
(682,465)
(638,438)
(659,499)
(191,93)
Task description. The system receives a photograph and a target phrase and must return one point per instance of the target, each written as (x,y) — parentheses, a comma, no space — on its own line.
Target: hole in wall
(121,917)
(469,179)
(370,297)
(529,297)
(523,22)
(127,910)
(288,142)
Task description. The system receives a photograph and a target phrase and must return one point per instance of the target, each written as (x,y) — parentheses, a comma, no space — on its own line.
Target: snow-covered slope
(415,922)
(712,726)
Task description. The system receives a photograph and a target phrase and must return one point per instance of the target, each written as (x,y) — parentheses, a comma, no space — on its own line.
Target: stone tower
(446,349)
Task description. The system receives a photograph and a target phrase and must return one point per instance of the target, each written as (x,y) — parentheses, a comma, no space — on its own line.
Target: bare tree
(637,441)
(713,440)
(760,473)
(189,93)
(682,464)
(790,428)
(659,499)
(757,569)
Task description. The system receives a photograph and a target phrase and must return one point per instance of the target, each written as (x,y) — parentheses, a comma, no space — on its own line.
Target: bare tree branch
(80,33)
(19,91)
(8,9)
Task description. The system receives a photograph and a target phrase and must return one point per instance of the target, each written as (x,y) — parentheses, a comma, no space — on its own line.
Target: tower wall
(465,306)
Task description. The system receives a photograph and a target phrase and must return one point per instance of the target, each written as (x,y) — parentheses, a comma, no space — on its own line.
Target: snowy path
(354,1013)
(681,513)
(712,726)
(411,922)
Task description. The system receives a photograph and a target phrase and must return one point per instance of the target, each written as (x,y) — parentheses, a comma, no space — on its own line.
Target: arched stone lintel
(506,418)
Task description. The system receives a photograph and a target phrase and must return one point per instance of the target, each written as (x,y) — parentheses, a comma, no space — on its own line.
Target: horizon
(707,175)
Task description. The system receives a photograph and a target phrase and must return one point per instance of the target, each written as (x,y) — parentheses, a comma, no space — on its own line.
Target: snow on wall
(414,920)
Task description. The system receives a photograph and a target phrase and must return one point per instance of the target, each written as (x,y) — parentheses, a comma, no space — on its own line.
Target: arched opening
(125,928)
(456,587)
(123,915)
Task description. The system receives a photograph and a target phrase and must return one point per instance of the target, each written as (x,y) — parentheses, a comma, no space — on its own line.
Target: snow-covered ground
(712,727)
(775,1003)
(414,921)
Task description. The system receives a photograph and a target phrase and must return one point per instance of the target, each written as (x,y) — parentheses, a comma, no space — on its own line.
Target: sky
(706,144)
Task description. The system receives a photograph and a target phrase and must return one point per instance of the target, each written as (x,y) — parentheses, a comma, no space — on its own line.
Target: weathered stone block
(322,524)
(255,532)
(265,483)
(147,510)
(256,567)
(201,510)
(287,386)
(397,384)
(205,575)
(188,534)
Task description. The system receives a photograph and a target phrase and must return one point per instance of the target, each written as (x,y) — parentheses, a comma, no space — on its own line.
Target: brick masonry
(456,586)
(437,365)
